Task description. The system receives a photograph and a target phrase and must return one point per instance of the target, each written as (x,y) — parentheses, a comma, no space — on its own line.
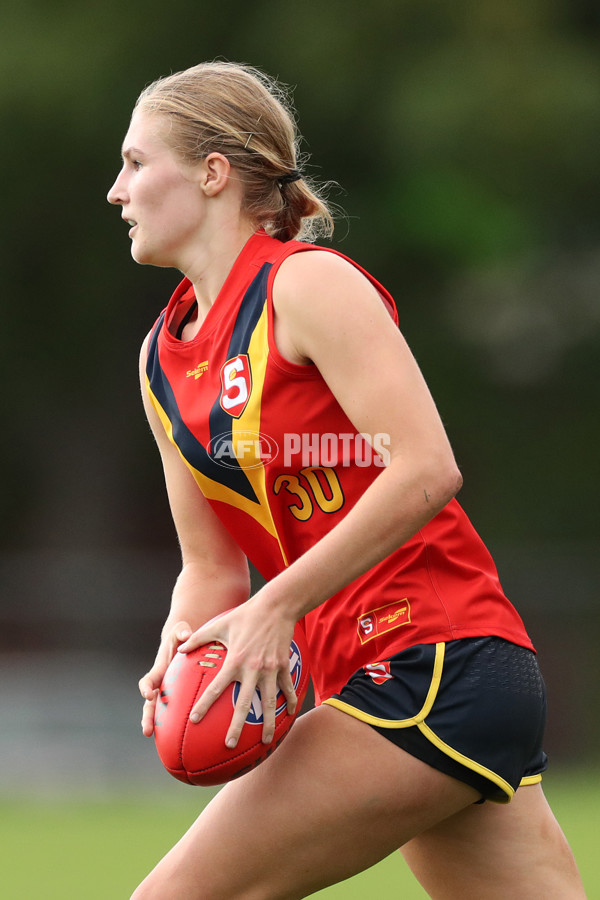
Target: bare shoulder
(317,259)
(318,297)
(318,285)
(319,271)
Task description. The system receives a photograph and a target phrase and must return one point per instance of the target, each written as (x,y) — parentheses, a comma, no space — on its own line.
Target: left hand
(258,650)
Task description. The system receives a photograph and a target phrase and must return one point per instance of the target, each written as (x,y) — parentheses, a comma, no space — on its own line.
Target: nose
(117,194)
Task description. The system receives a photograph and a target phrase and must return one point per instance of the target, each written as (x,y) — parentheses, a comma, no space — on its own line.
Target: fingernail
(231,743)
(194,717)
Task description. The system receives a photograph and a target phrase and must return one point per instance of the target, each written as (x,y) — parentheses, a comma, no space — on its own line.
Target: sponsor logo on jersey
(383,619)
(379,672)
(255,716)
(236,385)
(199,371)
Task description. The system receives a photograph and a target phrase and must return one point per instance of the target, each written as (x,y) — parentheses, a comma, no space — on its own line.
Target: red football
(196,753)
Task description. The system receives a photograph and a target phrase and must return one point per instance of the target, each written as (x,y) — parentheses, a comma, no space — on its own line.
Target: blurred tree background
(464,138)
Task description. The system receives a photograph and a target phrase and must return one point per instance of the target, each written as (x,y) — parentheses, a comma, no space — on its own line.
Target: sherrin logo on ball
(196,753)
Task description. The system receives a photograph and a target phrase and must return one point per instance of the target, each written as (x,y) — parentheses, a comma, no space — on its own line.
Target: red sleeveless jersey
(280,463)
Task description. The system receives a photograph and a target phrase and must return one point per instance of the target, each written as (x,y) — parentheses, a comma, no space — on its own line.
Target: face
(161,201)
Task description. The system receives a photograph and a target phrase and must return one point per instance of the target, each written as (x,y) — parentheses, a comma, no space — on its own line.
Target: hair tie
(292,176)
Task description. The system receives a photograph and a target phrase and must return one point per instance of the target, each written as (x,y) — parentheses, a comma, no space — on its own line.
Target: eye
(136,164)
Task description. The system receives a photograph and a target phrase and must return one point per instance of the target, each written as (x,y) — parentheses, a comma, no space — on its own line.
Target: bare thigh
(333,800)
(495,852)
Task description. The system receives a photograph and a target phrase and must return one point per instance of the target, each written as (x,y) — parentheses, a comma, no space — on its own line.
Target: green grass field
(100,849)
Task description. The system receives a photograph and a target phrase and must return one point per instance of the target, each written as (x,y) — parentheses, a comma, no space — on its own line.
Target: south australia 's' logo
(236,384)
(379,672)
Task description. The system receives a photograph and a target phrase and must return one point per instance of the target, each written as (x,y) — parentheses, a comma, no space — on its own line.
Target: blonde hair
(240,112)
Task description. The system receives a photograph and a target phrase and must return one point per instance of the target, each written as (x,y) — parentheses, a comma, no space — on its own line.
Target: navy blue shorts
(474,708)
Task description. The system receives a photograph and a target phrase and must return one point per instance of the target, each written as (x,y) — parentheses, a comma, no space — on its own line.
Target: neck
(214,259)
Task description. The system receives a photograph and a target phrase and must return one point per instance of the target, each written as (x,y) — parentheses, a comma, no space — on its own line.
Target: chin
(144,256)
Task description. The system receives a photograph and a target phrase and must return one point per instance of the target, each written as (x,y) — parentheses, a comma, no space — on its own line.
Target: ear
(214,173)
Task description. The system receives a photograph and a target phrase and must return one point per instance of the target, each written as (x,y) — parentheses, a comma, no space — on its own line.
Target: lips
(131,222)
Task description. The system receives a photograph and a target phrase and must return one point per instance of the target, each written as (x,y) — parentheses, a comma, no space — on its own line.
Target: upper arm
(330,314)
(202,536)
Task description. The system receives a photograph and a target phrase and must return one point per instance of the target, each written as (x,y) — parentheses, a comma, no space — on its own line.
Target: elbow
(455,483)
(454,479)
(434,481)
(441,484)
(449,482)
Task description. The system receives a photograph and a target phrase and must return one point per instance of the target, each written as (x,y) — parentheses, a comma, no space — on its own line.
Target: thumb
(212,630)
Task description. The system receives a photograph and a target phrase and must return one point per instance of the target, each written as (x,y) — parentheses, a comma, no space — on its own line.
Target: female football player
(426,733)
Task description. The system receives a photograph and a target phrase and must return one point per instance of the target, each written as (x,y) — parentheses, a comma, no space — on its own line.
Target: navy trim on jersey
(190,447)
(251,308)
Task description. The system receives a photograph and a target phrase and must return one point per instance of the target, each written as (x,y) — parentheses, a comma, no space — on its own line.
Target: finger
(198,639)
(181,632)
(212,693)
(242,707)
(286,686)
(149,684)
(153,679)
(268,696)
(148,713)
(209,632)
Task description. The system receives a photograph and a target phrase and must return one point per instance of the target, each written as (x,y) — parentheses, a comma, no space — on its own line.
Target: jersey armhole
(292,247)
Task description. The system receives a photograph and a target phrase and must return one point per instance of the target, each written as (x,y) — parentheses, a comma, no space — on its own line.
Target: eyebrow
(130,152)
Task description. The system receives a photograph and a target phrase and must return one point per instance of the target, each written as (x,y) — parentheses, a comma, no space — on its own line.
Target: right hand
(150,684)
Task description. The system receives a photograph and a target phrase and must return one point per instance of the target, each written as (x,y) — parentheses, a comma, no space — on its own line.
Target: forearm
(203,591)
(388,514)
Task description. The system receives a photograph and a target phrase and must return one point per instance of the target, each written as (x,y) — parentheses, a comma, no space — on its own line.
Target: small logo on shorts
(379,672)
